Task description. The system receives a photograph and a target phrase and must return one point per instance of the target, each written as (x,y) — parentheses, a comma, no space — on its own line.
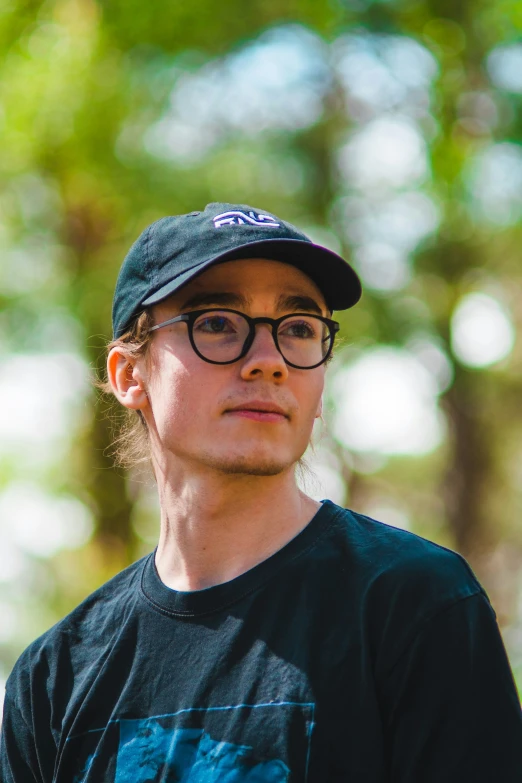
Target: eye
(302,329)
(215,324)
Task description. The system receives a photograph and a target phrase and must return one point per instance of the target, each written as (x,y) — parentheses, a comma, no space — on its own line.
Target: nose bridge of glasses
(271,326)
(272,323)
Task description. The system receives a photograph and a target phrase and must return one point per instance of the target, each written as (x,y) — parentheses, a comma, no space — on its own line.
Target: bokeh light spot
(386,402)
(504,65)
(42,524)
(495,181)
(482,331)
(382,267)
(389,151)
(40,397)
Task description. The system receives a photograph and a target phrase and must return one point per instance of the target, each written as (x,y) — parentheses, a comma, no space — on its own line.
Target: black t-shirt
(357,653)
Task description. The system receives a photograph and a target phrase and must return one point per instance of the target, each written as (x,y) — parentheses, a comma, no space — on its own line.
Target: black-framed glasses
(222,336)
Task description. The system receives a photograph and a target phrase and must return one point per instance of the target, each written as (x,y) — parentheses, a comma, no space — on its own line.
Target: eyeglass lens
(220,336)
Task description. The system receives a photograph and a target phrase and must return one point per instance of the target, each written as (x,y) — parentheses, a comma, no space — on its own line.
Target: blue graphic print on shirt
(151,752)
(268,742)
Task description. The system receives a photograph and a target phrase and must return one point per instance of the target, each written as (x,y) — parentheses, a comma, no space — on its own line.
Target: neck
(216,526)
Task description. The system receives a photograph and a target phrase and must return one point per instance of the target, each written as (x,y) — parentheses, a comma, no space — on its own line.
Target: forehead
(251,278)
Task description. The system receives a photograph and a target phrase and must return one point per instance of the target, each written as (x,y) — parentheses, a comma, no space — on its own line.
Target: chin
(254,469)
(250,464)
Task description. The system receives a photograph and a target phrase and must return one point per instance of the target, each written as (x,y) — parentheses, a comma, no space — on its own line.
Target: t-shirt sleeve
(27,744)
(18,760)
(450,707)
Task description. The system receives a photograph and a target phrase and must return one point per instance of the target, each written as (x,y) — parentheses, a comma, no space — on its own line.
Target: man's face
(206,413)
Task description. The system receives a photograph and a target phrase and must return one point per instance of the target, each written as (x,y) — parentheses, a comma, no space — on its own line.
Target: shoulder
(389,556)
(84,631)
(399,581)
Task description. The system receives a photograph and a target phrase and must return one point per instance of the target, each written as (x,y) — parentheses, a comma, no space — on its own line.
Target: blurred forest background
(388,130)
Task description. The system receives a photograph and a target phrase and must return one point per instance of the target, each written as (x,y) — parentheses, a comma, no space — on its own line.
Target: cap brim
(335,278)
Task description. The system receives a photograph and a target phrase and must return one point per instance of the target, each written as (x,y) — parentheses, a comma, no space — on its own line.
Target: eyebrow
(207,298)
(298,303)
(292,302)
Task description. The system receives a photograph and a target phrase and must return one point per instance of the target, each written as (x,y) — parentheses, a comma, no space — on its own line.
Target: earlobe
(319,412)
(125,380)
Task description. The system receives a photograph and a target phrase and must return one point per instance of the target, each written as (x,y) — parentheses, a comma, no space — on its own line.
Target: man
(269,637)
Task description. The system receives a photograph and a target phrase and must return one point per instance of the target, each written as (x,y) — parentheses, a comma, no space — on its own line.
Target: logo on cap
(238,218)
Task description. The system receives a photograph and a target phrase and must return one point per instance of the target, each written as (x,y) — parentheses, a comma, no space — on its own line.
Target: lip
(259,411)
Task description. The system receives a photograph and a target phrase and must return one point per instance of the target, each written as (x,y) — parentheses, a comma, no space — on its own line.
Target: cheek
(181,395)
(309,392)
(168,391)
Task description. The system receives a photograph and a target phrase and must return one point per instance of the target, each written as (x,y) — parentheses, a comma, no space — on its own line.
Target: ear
(126,380)
(319,411)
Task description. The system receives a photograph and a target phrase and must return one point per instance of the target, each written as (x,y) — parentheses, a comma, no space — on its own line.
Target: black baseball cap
(175,249)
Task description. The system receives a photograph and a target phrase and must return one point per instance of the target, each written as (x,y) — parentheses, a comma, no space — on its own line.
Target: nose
(263,359)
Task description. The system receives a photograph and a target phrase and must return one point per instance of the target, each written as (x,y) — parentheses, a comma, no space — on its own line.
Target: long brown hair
(130,446)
